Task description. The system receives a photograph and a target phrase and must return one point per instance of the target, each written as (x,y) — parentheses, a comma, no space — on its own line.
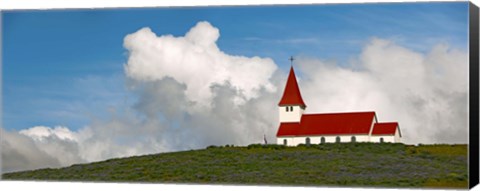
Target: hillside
(352,164)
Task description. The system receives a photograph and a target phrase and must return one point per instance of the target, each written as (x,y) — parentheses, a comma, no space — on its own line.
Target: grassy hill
(344,164)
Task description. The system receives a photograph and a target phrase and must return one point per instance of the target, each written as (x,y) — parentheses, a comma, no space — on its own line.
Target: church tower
(291,106)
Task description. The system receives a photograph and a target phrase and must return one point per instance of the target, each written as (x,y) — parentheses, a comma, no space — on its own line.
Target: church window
(284,141)
(322,140)
(307,141)
(337,139)
(286,108)
(354,139)
(381,140)
(291,108)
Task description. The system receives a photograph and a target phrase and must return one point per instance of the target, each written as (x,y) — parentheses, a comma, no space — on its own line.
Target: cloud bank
(425,93)
(190,95)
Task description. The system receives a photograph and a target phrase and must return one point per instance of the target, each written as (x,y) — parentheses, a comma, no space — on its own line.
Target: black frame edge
(473,146)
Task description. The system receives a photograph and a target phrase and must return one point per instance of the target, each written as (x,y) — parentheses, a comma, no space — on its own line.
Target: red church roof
(385,128)
(291,94)
(329,124)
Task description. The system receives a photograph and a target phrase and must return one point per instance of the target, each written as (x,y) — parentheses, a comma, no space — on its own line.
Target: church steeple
(291,106)
(291,94)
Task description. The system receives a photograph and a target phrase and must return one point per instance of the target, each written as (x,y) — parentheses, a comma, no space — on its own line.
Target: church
(297,127)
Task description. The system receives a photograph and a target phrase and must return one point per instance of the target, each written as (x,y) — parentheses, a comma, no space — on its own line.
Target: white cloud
(58,142)
(196,61)
(41,133)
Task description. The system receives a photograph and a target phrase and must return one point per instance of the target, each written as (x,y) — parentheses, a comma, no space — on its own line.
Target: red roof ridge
(290,122)
(388,123)
(291,93)
(336,113)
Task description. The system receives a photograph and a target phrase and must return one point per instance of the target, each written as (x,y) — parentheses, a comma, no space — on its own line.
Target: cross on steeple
(291,60)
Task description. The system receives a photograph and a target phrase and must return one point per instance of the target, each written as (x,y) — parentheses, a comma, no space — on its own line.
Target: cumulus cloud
(195,60)
(190,94)
(192,90)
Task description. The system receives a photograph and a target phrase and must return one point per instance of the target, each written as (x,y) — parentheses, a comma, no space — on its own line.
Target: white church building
(296,127)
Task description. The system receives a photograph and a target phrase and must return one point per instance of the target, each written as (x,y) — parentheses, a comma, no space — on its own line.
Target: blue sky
(65,67)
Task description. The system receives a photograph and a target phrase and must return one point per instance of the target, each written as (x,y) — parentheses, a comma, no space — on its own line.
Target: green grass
(345,164)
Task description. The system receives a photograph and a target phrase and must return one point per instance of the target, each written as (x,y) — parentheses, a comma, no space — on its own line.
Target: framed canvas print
(352,95)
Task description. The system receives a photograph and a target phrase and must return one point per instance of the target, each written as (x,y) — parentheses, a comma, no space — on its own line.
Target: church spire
(291,94)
